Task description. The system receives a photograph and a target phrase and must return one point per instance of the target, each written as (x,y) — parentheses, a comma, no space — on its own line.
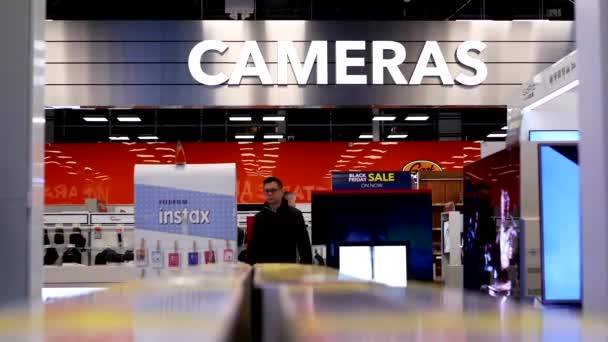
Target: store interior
(483,164)
(90,192)
(462,218)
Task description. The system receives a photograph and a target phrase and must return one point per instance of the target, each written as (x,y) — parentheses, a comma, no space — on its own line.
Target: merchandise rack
(446,187)
(89,224)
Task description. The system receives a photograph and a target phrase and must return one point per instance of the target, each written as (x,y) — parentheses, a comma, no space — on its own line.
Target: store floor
(295,305)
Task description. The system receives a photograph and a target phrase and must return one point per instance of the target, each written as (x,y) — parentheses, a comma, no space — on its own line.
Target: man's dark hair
(273,180)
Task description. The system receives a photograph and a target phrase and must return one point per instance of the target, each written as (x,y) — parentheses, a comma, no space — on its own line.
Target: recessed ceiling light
(273,136)
(273,118)
(119,138)
(417,118)
(147,137)
(384,118)
(240,118)
(366,136)
(131,118)
(95,118)
(244,136)
(497,135)
(504,128)
(397,136)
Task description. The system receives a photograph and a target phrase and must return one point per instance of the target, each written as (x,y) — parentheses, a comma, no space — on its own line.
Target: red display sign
(105,171)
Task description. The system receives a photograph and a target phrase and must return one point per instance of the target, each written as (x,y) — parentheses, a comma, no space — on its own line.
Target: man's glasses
(271,191)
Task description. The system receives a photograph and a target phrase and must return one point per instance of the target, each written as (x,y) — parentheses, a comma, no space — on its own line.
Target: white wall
(558,114)
(491,147)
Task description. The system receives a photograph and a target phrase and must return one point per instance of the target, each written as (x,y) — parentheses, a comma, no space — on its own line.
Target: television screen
(382,264)
(553,136)
(356,261)
(491,222)
(376,218)
(560,223)
(390,265)
(446,237)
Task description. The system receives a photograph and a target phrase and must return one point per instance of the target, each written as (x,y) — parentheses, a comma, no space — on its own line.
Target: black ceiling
(344,124)
(314,9)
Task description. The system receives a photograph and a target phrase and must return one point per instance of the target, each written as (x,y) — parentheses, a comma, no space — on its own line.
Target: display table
(87,276)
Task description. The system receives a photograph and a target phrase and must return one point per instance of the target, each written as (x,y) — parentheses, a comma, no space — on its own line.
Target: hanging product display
(210,254)
(228,253)
(59,238)
(174,259)
(141,255)
(193,257)
(156,257)
(98,232)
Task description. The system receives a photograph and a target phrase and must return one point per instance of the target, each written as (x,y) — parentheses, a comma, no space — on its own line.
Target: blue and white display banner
(185,217)
(388,180)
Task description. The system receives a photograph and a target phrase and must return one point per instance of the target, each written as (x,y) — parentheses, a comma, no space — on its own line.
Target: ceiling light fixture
(244,136)
(131,118)
(366,136)
(119,138)
(504,128)
(273,136)
(497,135)
(417,118)
(274,118)
(147,137)
(95,118)
(397,136)
(384,118)
(240,118)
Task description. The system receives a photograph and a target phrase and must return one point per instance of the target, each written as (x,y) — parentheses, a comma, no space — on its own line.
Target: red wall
(105,171)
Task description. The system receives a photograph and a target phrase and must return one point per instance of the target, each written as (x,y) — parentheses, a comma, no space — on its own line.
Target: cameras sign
(379,180)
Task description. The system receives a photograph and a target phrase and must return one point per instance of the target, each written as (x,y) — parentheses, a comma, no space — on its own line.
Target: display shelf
(68,229)
(444,204)
(112,219)
(81,275)
(65,218)
(446,187)
(110,225)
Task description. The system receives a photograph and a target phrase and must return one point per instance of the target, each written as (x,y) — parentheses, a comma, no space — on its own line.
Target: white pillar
(592,43)
(21,149)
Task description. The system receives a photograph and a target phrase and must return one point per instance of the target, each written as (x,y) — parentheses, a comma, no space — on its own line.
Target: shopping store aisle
(296,303)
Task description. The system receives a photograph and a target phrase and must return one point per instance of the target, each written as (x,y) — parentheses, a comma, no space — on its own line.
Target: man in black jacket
(278,230)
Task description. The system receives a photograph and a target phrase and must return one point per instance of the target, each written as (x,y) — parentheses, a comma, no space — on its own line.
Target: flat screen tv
(376,218)
(560,221)
(554,136)
(491,223)
(382,264)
